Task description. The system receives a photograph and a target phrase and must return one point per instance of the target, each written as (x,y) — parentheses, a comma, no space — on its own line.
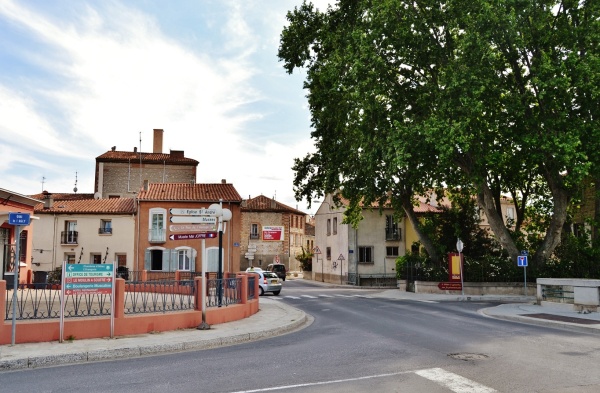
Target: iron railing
(231,292)
(159,296)
(251,283)
(42,301)
(558,293)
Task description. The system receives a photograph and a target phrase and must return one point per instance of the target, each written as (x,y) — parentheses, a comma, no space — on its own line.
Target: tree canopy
(491,97)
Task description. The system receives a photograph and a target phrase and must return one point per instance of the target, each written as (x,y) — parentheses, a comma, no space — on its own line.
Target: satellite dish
(97,195)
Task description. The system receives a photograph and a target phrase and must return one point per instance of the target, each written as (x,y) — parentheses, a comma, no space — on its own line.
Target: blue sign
(19,218)
(522,260)
(524,252)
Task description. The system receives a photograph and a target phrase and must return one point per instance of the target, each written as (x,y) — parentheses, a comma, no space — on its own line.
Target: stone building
(271,232)
(123,173)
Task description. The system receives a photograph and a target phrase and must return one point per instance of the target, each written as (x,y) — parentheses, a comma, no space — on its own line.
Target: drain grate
(561,318)
(467,356)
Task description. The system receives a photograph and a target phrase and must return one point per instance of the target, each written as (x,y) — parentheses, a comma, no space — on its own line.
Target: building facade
(167,240)
(271,232)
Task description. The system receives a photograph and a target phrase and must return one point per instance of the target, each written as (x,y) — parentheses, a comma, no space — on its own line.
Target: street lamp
(223,215)
(459,248)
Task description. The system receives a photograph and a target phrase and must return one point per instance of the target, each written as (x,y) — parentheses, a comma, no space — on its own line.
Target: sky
(78,77)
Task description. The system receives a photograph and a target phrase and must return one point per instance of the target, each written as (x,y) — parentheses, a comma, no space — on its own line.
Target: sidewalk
(517,308)
(274,318)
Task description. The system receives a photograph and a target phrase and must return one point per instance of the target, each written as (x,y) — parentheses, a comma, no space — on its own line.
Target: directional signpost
(193,220)
(522,262)
(88,279)
(192,236)
(18,220)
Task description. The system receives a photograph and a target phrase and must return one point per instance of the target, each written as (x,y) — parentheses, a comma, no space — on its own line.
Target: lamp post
(223,215)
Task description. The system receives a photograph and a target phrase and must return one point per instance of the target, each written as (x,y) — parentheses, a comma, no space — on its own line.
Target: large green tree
(491,96)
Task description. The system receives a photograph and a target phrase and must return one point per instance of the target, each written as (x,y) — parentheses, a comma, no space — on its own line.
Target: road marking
(292,297)
(425,301)
(449,380)
(325,296)
(363,296)
(309,297)
(340,295)
(452,381)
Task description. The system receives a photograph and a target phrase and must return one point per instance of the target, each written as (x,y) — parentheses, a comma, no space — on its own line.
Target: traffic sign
(194,212)
(89,278)
(192,228)
(341,258)
(316,250)
(450,286)
(522,260)
(524,252)
(193,220)
(19,218)
(191,236)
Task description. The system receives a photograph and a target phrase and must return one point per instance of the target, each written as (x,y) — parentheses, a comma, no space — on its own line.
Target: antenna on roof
(75,188)
(140,159)
(275,196)
(43,181)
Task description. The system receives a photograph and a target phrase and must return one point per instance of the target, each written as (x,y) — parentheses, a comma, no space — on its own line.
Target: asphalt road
(355,344)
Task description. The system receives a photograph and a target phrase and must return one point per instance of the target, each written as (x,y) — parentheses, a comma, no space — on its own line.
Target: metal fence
(251,283)
(42,301)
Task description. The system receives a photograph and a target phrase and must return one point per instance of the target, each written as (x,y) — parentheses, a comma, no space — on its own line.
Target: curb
(139,351)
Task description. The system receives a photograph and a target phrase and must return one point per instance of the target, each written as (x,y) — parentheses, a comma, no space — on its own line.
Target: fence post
(2,301)
(119,298)
(198,294)
(244,289)
(144,275)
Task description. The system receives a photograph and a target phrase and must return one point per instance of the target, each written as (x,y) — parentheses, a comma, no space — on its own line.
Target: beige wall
(49,252)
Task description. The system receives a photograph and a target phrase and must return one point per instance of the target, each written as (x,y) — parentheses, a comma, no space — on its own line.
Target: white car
(267,281)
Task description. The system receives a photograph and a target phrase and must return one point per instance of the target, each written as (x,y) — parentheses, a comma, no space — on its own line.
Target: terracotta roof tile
(89,206)
(63,196)
(263,203)
(127,156)
(199,192)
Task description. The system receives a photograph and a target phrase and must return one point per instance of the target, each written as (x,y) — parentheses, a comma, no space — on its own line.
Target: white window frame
(157,228)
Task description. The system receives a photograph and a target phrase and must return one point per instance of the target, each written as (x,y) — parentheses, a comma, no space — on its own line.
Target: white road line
(340,295)
(363,296)
(309,297)
(425,301)
(325,296)
(452,381)
(301,385)
(292,297)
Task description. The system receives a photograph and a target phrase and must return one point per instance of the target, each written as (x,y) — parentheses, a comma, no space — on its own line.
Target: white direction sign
(193,220)
(192,227)
(193,212)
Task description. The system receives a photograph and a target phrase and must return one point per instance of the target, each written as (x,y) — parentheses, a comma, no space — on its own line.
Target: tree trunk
(560,199)
(485,199)
(425,240)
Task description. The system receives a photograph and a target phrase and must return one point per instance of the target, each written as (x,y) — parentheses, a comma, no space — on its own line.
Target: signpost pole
(203,325)
(16,263)
(459,248)
(112,303)
(220,271)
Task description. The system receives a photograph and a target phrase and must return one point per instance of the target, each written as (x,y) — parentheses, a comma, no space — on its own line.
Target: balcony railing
(157,235)
(254,236)
(105,231)
(69,237)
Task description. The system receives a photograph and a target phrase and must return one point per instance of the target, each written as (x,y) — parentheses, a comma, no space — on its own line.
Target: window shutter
(174,262)
(147,260)
(166,257)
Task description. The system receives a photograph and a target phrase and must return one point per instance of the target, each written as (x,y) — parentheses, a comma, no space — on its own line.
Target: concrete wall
(471,288)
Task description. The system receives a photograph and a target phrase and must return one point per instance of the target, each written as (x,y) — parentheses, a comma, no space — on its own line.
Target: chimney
(223,181)
(176,153)
(146,185)
(158,140)
(113,148)
(48,200)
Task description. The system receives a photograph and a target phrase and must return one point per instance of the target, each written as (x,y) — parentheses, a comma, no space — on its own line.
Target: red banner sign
(450,286)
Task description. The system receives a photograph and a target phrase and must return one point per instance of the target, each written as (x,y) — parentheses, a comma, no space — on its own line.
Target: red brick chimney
(158,140)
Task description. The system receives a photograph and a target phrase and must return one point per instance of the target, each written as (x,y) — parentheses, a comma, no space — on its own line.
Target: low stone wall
(575,293)
(471,288)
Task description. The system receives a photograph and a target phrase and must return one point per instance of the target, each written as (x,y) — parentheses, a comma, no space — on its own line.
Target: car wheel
(276,293)
(262,291)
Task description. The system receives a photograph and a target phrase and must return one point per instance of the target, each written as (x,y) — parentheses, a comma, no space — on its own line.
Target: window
(70,258)
(328,252)
(183,259)
(392,232)
(69,235)
(121,259)
(253,231)
(335,225)
(328,226)
(23,246)
(156,259)
(96,259)
(391,251)
(156,231)
(105,227)
(365,254)
(510,213)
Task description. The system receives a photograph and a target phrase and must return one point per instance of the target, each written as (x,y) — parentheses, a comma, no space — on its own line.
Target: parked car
(278,269)
(253,269)
(267,282)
